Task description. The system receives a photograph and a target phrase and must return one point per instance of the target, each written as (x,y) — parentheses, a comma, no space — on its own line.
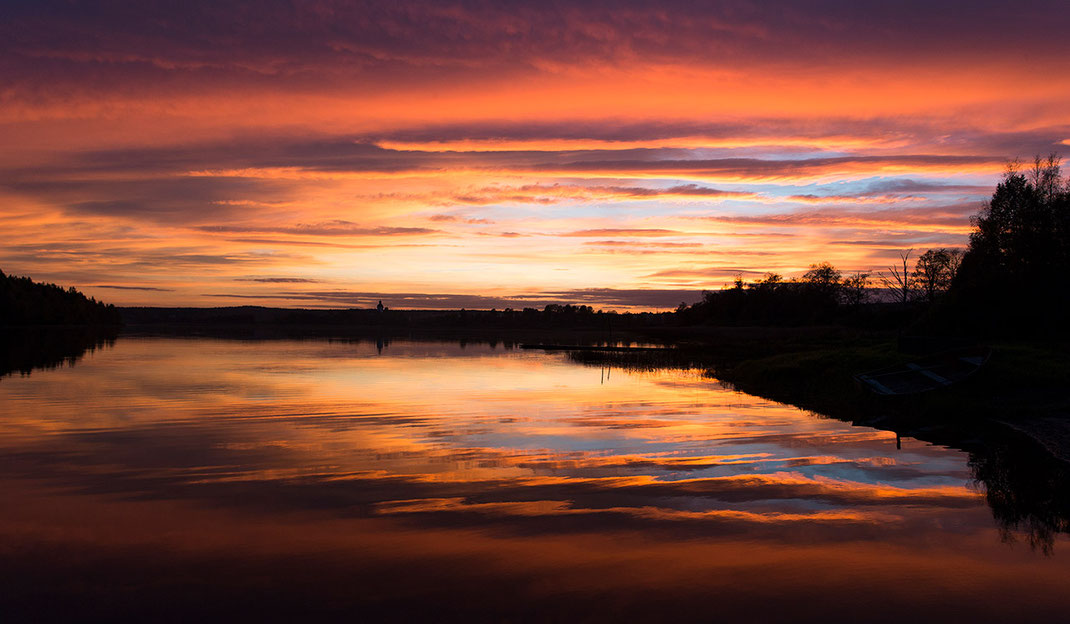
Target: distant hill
(26,302)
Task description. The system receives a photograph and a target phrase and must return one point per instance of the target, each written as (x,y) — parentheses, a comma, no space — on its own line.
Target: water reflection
(1028,492)
(1027,489)
(25,349)
(288,478)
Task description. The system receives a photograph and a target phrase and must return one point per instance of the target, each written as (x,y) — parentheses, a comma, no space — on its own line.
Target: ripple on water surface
(276,478)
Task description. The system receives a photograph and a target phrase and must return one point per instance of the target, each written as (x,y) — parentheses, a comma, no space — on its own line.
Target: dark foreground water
(193,479)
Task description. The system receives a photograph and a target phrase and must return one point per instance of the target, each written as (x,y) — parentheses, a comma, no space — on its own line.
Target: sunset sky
(625,155)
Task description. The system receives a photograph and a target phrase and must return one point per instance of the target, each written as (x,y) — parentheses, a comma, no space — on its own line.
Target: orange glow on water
(219,460)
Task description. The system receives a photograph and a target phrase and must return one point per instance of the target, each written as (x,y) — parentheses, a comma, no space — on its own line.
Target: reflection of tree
(1028,492)
(1026,487)
(24,350)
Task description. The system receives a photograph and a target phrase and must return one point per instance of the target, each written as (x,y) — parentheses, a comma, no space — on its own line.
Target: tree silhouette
(823,277)
(25,302)
(934,271)
(854,290)
(900,280)
(1013,272)
(815,297)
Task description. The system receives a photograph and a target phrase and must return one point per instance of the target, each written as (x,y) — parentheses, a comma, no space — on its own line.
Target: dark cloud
(765,168)
(51,44)
(556,193)
(347,157)
(704,274)
(912,133)
(454,219)
(148,288)
(331,243)
(895,190)
(620,243)
(953,215)
(109,259)
(110,208)
(625,232)
(329,228)
(689,189)
(119,189)
(277,280)
(900,242)
(612,131)
(906,186)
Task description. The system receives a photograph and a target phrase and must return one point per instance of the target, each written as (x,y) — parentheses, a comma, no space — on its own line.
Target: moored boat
(930,373)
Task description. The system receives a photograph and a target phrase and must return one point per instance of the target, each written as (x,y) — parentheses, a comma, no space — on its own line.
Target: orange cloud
(125,157)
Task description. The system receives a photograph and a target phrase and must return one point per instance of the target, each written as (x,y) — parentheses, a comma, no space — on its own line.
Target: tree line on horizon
(824,292)
(26,302)
(1010,279)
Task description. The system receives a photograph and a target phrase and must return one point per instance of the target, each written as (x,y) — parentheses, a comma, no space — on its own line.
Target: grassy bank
(1022,384)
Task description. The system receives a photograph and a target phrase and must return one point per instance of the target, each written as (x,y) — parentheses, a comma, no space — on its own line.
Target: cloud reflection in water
(521,468)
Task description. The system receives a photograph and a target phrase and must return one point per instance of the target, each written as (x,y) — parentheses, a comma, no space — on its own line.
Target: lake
(194,478)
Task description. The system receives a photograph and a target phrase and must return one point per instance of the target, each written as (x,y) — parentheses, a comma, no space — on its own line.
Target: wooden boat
(936,371)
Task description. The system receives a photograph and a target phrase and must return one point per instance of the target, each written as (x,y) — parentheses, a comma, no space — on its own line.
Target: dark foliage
(1011,281)
(26,302)
(1013,277)
(934,271)
(821,296)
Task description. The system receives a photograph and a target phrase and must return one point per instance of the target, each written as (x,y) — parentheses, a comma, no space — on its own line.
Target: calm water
(166,478)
